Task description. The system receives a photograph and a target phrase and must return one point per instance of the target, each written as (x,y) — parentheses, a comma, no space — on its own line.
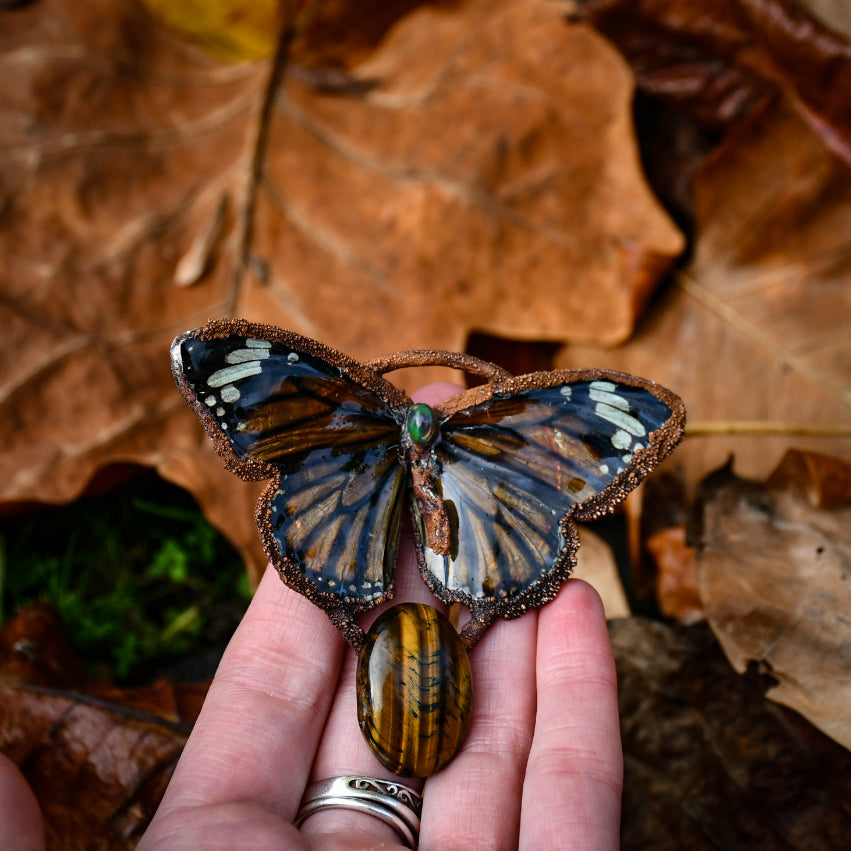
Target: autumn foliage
(658,187)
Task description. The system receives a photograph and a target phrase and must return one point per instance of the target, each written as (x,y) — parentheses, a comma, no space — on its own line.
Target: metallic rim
(393,803)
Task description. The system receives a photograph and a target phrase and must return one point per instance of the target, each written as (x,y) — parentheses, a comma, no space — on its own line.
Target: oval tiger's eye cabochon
(414,690)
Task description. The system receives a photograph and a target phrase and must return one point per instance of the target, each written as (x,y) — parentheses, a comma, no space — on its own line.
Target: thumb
(21,826)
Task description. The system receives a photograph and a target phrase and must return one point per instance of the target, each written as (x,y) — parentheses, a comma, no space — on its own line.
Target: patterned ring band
(393,803)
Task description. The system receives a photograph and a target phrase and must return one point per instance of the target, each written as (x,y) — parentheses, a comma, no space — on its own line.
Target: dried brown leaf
(709,763)
(477,171)
(97,757)
(774,582)
(754,335)
(722,59)
(676,575)
(597,566)
(97,769)
(825,481)
(458,192)
(700,57)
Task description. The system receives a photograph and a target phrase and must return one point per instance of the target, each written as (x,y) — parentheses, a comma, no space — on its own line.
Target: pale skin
(541,766)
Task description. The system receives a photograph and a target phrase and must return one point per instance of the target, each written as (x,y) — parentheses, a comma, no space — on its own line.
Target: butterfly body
(494,477)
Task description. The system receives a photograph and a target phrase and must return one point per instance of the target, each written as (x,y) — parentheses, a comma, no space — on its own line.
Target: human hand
(541,766)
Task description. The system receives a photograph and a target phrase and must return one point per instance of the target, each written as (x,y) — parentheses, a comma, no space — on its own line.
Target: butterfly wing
(513,471)
(325,430)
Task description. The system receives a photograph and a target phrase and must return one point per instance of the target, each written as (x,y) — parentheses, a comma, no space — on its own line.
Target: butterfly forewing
(330,445)
(510,469)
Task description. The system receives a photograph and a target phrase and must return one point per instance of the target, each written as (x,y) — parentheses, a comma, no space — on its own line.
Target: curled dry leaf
(477,170)
(825,481)
(709,763)
(97,757)
(774,579)
(701,57)
(668,569)
(723,59)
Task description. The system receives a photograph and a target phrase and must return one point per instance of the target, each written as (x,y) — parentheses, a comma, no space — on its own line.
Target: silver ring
(393,803)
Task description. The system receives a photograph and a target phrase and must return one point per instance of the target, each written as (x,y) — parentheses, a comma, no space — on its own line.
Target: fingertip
(573,637)
(579,604)
(439,391)
(264,714)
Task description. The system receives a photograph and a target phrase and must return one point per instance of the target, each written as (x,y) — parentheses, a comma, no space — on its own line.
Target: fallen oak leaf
(824,480)
(98,769)
(471,228)
(451,192)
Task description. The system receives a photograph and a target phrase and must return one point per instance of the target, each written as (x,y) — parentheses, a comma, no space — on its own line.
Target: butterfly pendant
(494,477)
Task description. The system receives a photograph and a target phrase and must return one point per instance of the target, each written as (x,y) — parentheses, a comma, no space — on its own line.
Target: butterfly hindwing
(514,469)
(280,406)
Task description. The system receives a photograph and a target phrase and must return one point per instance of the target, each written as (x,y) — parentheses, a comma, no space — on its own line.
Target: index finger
(257,733)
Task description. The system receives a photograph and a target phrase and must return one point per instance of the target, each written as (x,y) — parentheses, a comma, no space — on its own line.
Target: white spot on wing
(210,401)
(230,393)
(621,440)
(292,357)
(245,355)
(566,391)
(605,386)
(620,419)
(234,373)
(258,344)
(608,398)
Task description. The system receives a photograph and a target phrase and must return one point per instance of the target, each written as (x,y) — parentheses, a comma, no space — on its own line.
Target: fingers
(475,801)
(264,715)
(571,796)
(20,817)
(282,712)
